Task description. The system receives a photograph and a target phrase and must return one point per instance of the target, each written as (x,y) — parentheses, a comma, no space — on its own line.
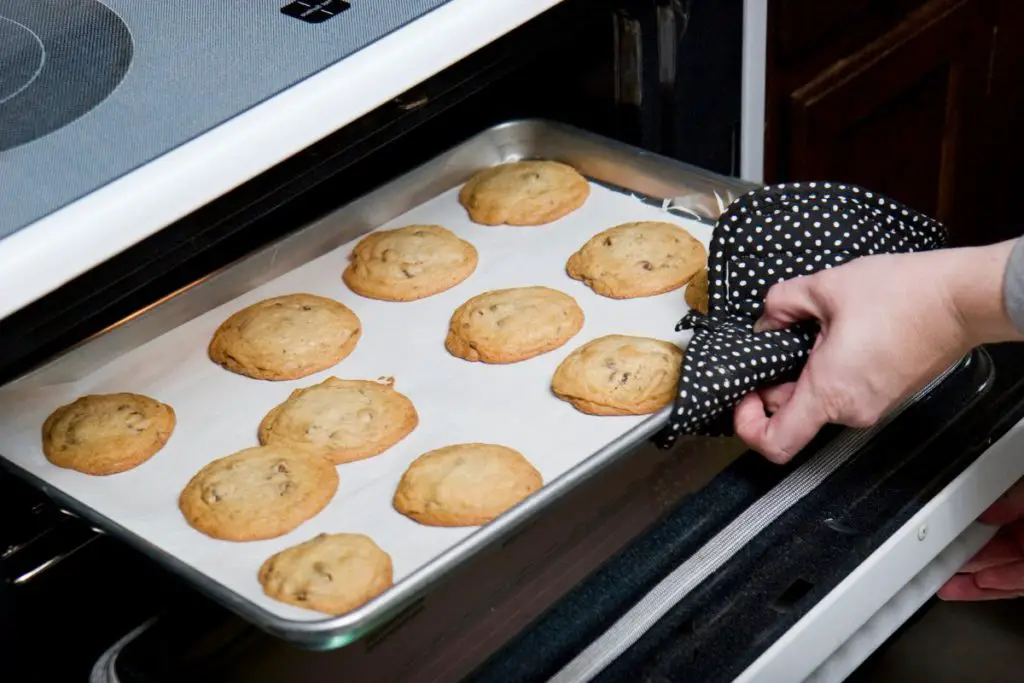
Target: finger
(789,302)
(1002,549)
(777,396)
(749,419)
(1009,507)
(962,588)
(1005,577)
(781,436)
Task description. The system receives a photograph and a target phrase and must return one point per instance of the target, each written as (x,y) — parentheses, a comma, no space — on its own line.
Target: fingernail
(765,325)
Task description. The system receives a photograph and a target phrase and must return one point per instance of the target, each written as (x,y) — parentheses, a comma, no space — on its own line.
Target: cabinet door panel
(903,115)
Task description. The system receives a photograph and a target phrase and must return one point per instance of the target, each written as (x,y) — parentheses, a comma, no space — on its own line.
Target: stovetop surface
(90,90)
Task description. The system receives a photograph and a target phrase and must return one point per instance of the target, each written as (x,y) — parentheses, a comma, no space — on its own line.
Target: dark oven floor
(66,593)
(952,643)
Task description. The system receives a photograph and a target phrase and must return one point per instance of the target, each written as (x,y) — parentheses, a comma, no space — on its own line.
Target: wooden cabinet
(912,98)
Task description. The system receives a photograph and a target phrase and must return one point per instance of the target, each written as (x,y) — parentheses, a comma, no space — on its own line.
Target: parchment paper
(218,412)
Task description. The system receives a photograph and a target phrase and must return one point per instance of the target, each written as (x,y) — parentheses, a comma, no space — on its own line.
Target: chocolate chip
(624,379)
(607,241)
(212,495)
(406,273)
(307,308)
(646,265)
(301,596)
(137,421)
(282,467)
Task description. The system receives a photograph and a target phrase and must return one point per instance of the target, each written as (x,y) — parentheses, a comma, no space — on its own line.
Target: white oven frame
(859,615)
(752,117)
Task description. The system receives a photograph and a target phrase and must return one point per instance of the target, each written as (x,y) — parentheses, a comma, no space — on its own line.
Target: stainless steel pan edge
(677,186)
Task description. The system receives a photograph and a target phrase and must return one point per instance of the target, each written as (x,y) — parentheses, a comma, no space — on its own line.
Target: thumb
(789,302)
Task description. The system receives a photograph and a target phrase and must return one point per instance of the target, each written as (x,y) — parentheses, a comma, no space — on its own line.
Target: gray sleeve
(1014,285)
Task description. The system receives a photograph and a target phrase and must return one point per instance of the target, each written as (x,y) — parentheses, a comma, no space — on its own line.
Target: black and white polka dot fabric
(766,236)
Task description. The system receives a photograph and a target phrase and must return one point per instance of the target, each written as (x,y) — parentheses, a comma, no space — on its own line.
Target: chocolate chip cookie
(286,337)
(524,193)
(638,259)
(107,433)
(696,294)
(619,375)
(510,325)
(465,485)
(331,573)
(409,263)
(341,419)
(258,493)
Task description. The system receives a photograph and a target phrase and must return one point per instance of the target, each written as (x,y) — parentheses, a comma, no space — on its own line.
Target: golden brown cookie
(330,573)
(286,337)
(409,263)
(510,325)
(107,433)
(696,294)
(341,419)
(524,193)
(258,493)
(638,259)
(619,375)
(465,485)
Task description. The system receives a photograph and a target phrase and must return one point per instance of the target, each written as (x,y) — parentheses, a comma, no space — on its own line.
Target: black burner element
(58,60)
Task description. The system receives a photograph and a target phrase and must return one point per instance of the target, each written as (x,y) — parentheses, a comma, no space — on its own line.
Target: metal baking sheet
(162,353)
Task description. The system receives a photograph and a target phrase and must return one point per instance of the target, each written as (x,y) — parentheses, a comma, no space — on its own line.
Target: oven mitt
(764,237)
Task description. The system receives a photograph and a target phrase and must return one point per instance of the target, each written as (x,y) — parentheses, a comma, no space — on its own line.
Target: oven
(700,563)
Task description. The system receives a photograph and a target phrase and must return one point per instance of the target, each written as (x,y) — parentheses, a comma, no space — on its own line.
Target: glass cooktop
(91,90)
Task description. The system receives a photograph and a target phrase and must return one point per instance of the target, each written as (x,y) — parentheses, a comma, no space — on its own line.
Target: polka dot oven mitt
(766,236)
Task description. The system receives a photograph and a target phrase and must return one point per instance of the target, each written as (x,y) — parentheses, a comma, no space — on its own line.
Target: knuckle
(782,292)
(775,295)
(747,432)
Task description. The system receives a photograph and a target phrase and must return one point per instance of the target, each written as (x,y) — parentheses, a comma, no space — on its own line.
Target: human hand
(997,570)
(889,325)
